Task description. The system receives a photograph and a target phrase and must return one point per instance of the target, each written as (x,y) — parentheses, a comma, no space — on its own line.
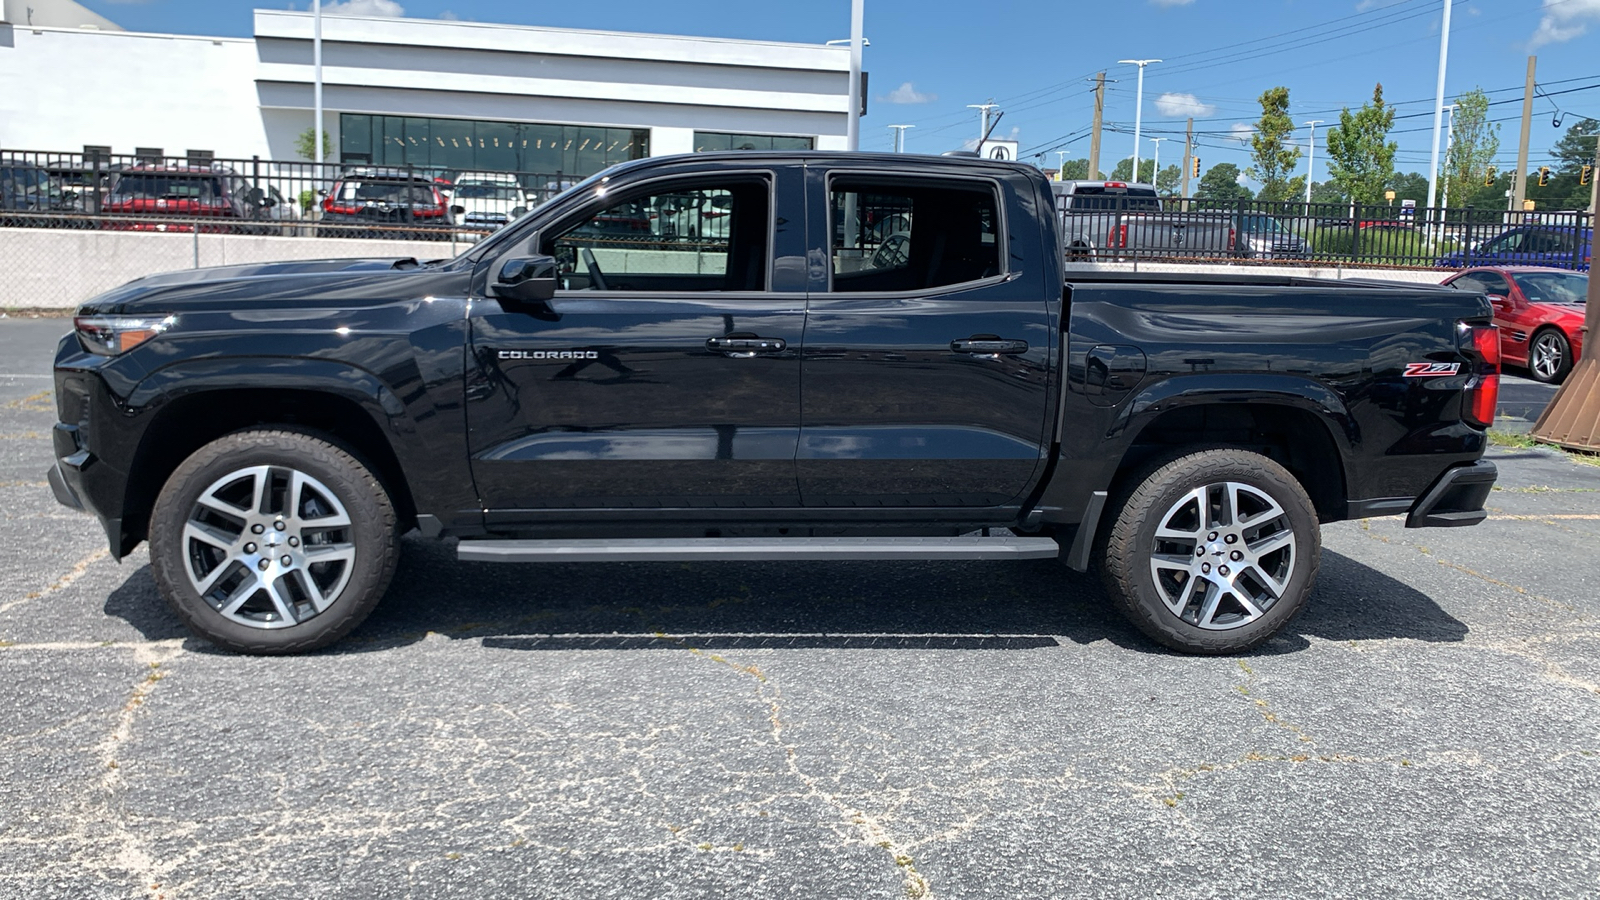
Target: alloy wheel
(268,546)
(1548,354)
(1224,555)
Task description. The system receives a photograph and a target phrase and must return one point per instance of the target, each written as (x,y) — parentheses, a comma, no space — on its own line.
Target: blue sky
(929,59)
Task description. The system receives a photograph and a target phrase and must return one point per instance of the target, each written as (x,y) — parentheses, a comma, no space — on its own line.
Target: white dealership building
(441,95)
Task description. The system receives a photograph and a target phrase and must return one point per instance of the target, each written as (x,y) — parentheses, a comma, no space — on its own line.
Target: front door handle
(989,344)
(743,344)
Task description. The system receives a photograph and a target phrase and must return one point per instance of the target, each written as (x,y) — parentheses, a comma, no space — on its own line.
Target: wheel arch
(1301,425)
(200,413)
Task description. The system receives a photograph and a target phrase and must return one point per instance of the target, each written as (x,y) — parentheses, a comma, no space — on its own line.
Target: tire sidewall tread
(1124,551)
(373,519)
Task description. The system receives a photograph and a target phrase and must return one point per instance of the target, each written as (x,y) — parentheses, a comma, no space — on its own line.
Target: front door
(665,374)
(926,356)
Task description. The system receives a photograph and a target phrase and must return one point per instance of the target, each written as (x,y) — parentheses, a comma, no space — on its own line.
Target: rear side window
(902,236)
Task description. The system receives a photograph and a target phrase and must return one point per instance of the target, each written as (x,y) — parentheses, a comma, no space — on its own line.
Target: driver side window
(690,238)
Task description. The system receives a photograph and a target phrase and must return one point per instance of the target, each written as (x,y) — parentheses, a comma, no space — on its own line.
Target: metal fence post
(411,197)
(94,182)
(196,229)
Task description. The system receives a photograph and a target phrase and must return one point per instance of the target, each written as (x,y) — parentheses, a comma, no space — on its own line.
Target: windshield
(1553,287)
(142,186)
(487,192)
(1261,225)
(386,192)
(25,177)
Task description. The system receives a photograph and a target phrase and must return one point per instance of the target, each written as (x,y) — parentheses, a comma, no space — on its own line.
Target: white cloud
(906,93)
(1167,4)
(381,8)
(1563,20)
(1182,106)
(1241,132)
(450,15)
(1242,178)
(1365,5)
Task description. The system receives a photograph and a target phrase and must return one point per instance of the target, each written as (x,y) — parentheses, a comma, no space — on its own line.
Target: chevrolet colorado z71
(781,378)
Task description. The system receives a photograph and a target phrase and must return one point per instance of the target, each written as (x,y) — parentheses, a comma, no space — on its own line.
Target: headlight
(110,335)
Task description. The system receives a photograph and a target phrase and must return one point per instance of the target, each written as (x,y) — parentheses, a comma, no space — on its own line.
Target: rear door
(927,347)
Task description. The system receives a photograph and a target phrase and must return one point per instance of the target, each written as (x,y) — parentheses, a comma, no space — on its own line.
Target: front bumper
(1456,499)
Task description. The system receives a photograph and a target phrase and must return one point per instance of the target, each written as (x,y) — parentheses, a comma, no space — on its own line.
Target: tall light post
(1138,108)
(1157,176)
(852,131)
(1311,159)
(316,84)
(983,119)
(1438,108)
(1449,141)
(900,137)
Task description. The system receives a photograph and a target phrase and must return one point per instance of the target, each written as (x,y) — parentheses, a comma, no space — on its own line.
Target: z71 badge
(1431,370)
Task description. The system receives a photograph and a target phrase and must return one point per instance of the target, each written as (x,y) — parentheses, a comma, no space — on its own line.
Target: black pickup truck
(765,357)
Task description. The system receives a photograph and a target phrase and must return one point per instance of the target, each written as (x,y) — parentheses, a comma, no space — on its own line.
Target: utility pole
(1519,184)
(1061,165)
(1572,417)
(1449,141)
(983,118)
(1188,158)
(900,137)
(1311,160)
(1438,108)
(1099,115)
(1157,176)
(1138,108)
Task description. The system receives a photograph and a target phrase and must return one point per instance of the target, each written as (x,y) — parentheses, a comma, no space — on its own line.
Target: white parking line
(13,375)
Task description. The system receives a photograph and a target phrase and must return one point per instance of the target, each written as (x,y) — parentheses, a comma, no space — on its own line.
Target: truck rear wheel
(272,542)
(1213,552)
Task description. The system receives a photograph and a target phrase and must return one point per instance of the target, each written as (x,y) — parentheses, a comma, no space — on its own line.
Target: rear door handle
(986,344)
(744,345)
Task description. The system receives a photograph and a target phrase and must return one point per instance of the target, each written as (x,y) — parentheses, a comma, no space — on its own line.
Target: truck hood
(286,285)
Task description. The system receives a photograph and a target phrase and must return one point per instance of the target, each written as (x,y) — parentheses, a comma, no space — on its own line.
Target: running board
(1003,546)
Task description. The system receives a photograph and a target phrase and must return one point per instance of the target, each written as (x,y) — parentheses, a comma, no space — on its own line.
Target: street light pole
(1438,108)
(1311,160)
(1138,109)
(1449,141)
(852,130)
(900,137)
(983,120)
(316,83)
(1157,176)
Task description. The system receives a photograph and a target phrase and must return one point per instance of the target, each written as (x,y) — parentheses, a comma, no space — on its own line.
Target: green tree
(307,150)
(1327,192)
(1576,148)
(1408,186)
(1075,170)
(1221,182)
(1360,154)
(1124,171)
(1272,152)
(1168,180)
(1474,142)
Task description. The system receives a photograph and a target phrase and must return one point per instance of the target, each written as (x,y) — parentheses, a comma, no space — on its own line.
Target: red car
(1539,312)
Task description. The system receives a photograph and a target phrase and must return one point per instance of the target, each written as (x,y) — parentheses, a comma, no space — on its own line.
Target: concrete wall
(51,268)
(58,269)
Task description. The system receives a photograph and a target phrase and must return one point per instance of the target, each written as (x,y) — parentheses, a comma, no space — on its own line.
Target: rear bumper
(1456,499)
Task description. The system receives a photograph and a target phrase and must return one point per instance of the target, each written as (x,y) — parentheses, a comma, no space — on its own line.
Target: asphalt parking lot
(1430,727)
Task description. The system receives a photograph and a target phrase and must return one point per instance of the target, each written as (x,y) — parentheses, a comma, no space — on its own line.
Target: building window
(706,141)
(446,147)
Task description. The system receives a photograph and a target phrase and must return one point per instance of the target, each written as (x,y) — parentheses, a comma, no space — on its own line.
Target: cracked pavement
(1429,727)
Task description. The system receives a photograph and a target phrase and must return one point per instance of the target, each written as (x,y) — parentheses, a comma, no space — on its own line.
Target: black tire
(1549,356)
(1149,577)
(336,485)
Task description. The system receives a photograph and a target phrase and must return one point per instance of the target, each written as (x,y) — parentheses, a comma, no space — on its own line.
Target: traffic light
(1584,174)
(1196,172)
(1488,177)
(1544,175)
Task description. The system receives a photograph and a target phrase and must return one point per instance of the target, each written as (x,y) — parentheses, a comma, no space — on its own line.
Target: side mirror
(1499,302)
(459,210)
(530,279)
(518,212)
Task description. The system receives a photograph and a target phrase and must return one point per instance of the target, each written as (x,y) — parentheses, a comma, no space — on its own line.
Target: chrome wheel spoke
(1227,503)
(1208,609)
(328,553)
(1276,541)
(1186,595)
(205,534)
(1172,561)
(243,591)
(205,584)
(282,600)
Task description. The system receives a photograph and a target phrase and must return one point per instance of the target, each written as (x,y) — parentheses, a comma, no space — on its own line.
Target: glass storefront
(448,146)
(705,141)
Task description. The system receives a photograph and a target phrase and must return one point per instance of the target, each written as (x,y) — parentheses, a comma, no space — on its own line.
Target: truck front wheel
(272,542)
(1213,552)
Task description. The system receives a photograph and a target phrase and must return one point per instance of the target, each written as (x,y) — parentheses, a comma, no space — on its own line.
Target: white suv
(487,201)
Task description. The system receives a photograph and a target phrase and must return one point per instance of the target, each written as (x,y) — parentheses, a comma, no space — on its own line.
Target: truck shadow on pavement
(857,605)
